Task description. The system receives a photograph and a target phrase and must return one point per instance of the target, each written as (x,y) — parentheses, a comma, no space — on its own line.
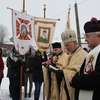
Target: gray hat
(68,36)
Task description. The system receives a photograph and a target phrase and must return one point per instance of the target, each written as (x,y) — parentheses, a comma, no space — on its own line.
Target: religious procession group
(20,70)
(68,74)
(67,70)
(74,73)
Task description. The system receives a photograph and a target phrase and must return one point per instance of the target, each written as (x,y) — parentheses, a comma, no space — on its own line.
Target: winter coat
(28,67)
(33,65)
(13,68)
(37,68)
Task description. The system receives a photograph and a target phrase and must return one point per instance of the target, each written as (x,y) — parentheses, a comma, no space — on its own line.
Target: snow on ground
(4,90)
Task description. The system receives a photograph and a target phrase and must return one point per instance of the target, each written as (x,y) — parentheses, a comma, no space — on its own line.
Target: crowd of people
(23,69)
(68,71)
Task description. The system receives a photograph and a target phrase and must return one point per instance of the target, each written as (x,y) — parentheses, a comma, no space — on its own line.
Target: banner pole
(23,6)
(21,67)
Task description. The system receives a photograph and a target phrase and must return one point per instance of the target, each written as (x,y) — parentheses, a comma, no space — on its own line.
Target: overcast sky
(55,9)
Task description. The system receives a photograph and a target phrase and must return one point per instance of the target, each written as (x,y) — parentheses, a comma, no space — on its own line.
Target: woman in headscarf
(14,63)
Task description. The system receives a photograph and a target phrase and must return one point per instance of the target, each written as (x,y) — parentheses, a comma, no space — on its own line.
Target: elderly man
(76,57)
(88,79)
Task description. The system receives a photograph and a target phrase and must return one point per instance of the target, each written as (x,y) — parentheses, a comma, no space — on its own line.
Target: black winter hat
(56,45)
(92,26)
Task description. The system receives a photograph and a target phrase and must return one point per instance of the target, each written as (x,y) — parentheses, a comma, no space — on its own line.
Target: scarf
(91,60)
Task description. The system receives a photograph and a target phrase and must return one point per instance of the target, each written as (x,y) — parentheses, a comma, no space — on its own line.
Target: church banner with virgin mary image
(44,30)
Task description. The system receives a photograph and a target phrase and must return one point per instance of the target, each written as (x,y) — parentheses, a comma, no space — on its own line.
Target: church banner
(22,31)
(44,31)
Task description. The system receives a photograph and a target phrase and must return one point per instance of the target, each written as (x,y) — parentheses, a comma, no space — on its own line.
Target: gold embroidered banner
(44,31)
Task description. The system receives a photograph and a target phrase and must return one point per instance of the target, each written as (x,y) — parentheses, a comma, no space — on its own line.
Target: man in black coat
(88,79)
(33,71)
(37,74)
(28,70)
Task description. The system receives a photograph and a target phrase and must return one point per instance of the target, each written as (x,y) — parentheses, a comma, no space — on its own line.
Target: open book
(53,68)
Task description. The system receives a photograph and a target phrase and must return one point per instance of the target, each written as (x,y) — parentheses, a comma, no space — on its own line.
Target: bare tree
(3,33)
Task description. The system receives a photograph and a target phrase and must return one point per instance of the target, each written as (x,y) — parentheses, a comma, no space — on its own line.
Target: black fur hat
(92,26)
(56,45)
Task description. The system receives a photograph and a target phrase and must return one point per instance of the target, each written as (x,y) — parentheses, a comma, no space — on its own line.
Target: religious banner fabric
(44,30)
(22,31)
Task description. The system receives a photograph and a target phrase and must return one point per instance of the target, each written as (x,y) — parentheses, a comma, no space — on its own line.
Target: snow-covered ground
(4,90)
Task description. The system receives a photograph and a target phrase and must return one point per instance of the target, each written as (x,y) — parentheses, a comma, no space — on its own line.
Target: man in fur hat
(75,59)
(87,81)
(52,80)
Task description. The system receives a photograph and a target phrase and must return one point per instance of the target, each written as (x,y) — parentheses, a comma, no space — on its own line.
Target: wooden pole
(21,78)
(44,15)
(44,9)
(21,67)
(77,24)
(23,6)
